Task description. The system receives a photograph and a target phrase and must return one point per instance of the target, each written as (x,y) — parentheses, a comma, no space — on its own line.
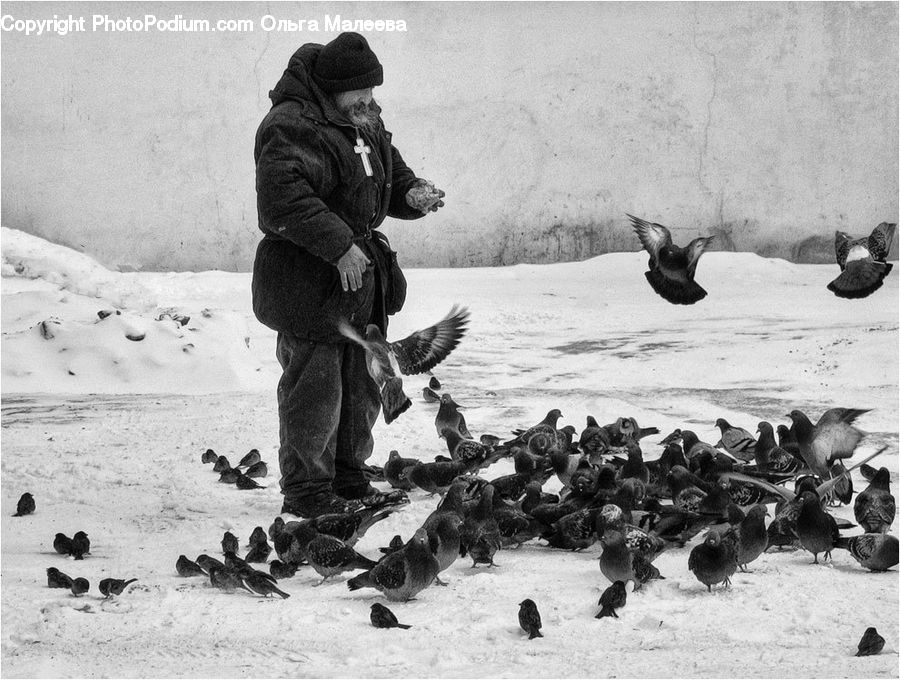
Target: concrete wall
(772,124)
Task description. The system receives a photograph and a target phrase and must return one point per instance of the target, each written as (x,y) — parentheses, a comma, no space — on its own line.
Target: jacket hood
(296,84)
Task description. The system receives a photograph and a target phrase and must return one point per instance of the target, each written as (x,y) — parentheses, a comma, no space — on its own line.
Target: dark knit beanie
(347,63)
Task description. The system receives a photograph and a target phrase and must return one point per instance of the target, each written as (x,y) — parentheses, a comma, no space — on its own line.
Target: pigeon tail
(860,279)
(363,580)
(676,292)
(607,611)
(394,401)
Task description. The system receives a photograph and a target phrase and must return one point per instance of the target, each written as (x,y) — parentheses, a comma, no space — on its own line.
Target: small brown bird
(63,544)
(280,570)
(229,542)
(261,583)
(434,383)
(870,644)
(430,396)
(25,506)
(259,551)
(229,476)
(258,469)
(80,586)
(114,586)
(206,563)
(222,464)
(81,545)
(612,598)
(256,536)
(251,458)
(187,568)
(57,579)
(245,483)
(875,507)
(382,617)
(530,619)
(225,579)
(209,456)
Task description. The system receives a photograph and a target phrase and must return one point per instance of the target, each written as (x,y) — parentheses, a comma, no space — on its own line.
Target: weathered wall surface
(772,124)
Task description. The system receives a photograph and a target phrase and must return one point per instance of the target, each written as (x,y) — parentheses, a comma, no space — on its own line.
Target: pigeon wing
(653,236)
(423,350)
(881,240)
(390,573)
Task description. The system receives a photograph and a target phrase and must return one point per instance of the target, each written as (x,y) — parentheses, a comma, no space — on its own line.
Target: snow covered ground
(104,421)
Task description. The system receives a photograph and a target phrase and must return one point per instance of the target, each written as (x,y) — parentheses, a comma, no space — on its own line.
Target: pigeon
(875,507)
(479,535)
(382,617)
(530,619)
(81,545)
(671,268)
(330,556)
(713,561)
(114,586)
(769,456)
(750,536)
(393,470)
(63,544)
(875,552)
(80,586)
(626,429)
(816,529)
(221,465)
(868,472)
(259,552)
(57,579)
(575,531)
(401,575)
(870,644)
(245,483)
(546,426)
(449,417)
(612,598)
(862,261)
(348,526)
(187,568)
(258,469)
(693,447)
(209,456)
(417,353)
(833,437)
(788,440)
(435,477)
(736,440)
(251,458)
(229,542)
(25,506)
(442,527)
(594,440)
(620,562)
(393,546)
(430,396)
(280,570)
(466,451)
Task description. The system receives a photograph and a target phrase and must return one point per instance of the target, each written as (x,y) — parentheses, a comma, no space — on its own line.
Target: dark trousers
(327,405)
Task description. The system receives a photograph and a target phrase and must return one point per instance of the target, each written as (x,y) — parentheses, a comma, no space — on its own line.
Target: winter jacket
(314,200)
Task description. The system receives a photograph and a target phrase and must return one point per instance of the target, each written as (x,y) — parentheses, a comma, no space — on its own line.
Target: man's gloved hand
(425,197)
(351,267)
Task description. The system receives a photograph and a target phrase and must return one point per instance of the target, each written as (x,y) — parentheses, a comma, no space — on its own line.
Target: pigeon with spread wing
(832,438)
(863,261)
(417,353)
(671,267)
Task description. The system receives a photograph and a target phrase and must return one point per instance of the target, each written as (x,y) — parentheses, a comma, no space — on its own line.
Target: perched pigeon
(713,561)
(750,536)
(870,644)
(834,437)
(672,268)
(770,456)
(612,598)
(401,575)
(736,440)
(417,353)
(449,417)
(479,534)
(382,617)
(875,507)
(436,477)
(816,529)
(25,506)
(546,426)
(330,556)
(875,552)
(862,261)
(530,619)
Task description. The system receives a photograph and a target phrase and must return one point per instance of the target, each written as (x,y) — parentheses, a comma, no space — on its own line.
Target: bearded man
(327,175)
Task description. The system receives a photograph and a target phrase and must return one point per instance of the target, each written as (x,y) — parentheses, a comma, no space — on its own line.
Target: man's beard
(364,115)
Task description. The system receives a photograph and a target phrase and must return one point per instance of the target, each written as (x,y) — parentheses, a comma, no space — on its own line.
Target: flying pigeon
(672,268)
(417,353)
(862,261)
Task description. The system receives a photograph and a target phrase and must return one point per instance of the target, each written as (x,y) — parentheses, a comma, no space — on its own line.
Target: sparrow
(206,563)
(330,556)
(229,476)
(222,464)
(401,575)
(256,536)
(862,261)
(114,586)
(258,469)
(81,545)
(832,438)
(382,617)
(261,583)
(671,268)
(736,440)
(449,417)
(430,396)
(875,507)
(434,383)
(871,643)
(226,579)
(186,567)
(25,506)
(713,561)
(530,619)
(280,570)
(417,353)
(259,552)
(57,579)
(875,552)
(276,527)
(251,458)
(246,484)
(229,543)
(63,544)
(209,456)
(80,586)
(612,598)
(816,529)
